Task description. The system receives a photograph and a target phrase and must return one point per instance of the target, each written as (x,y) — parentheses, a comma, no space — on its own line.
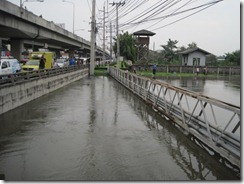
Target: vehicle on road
(34,60)
(62,62)
(9,66)
(31,65)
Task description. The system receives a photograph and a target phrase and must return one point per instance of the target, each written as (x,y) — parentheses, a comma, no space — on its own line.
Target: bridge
(22,27)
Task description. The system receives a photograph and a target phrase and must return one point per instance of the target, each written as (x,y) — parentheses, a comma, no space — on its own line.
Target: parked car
(23,61)
(16,66)
(5,67)
(9,66)
(31,65)
(62,62)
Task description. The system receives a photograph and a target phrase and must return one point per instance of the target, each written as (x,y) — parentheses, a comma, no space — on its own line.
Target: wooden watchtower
(143,41)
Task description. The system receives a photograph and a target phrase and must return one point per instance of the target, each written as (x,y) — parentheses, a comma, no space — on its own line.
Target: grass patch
(164,74)
(100,72)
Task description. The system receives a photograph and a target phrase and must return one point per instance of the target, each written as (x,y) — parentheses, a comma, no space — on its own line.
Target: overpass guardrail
(213,124)
(23,87)
(20,77)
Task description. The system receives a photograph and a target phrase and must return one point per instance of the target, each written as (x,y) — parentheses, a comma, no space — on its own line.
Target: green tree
(211,60)
(169,50)
(233,58)
(181,48)
(127,46)
(191,45)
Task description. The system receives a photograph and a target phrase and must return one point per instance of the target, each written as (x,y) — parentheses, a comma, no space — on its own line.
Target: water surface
(95,129)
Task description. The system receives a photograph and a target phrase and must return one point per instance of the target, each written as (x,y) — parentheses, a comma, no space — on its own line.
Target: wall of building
(196,54)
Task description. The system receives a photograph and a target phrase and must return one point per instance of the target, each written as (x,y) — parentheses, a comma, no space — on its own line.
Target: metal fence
(20,77)
(213,123)
(231,70)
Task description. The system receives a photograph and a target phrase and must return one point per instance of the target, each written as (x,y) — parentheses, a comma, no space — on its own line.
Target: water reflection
(194,161)
(95,129)
(225,88)
(92,108)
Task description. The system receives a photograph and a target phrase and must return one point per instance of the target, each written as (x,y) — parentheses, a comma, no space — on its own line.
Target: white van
(16,66)
(9,66)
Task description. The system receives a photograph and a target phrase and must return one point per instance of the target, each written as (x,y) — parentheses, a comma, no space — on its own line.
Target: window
(4,65)
(196,61)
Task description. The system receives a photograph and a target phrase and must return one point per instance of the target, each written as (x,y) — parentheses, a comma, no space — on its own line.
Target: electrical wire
(210,4)
(133,24)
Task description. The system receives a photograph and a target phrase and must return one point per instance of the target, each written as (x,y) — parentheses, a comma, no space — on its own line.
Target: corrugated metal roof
(193,50)
(144,32)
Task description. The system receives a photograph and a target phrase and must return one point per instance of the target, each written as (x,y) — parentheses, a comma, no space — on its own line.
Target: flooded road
(95,129)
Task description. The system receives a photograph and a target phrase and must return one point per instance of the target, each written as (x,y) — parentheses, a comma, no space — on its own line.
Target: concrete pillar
(58,55)
(86,53)
(71,53)
(17,47)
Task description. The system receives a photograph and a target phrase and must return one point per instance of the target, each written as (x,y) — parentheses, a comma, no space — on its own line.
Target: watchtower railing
(215,123)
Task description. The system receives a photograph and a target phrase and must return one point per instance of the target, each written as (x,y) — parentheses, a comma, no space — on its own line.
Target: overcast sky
(215,29)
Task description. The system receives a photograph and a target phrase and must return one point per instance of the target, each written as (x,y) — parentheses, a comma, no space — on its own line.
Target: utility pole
(117,27)
(111,44)
(93,38)
(1,44)
(104,58)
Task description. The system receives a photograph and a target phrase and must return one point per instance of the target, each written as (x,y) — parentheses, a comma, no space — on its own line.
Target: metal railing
(24,76)
(213,122)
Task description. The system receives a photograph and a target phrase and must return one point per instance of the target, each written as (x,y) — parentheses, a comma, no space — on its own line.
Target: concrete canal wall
(12,96)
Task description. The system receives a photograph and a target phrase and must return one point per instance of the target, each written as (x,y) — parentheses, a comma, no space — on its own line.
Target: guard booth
(143,40)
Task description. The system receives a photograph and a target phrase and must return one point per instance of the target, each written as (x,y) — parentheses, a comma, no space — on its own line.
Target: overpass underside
(23,29)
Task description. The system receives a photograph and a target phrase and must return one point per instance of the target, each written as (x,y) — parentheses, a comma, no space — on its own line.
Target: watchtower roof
(144,32)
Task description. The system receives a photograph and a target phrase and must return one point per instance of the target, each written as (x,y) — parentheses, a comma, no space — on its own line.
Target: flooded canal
(225,88)
(95,129)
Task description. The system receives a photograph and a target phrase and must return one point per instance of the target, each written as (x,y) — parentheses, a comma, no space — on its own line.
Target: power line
(143,13)
(160,10)
(153,18)
(117,25)
(89,6)
(210,4)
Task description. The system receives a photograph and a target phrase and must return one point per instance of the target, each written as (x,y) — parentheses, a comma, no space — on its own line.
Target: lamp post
(22,2)
(73,14)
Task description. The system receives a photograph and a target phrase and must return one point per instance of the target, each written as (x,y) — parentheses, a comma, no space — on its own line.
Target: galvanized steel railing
(215,123)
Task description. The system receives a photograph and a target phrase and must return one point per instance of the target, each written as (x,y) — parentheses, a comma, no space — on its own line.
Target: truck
(34,59)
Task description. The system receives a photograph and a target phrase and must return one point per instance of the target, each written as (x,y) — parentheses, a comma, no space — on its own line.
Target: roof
(144,32)
(188,51)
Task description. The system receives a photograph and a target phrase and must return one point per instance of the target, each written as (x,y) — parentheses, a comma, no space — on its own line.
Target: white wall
(196,54)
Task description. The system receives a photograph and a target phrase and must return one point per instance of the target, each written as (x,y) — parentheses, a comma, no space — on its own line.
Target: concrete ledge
(17,95)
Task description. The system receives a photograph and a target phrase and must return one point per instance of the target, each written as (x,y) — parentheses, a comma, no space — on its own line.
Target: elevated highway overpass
(21,28)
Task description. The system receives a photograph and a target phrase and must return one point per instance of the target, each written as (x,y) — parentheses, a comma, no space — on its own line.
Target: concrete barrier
(16,95)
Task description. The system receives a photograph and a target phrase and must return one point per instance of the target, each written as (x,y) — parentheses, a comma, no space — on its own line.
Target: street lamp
(22,3)
(73,14)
